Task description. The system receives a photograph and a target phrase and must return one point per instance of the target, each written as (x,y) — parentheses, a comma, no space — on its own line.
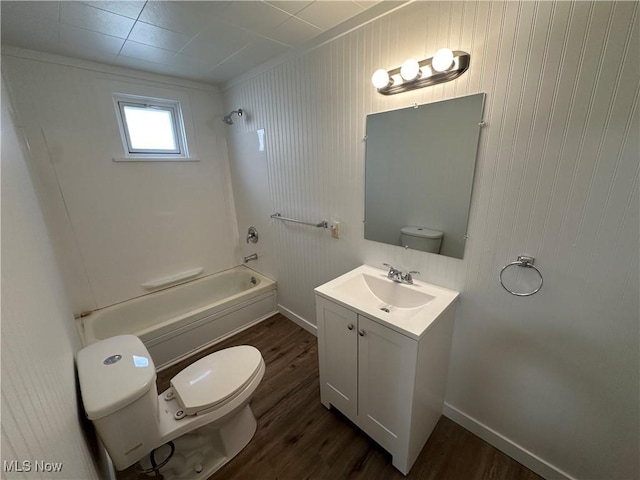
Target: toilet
(201,422)
(421,238)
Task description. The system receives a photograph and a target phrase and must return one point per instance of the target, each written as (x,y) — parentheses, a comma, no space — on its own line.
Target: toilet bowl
(205,413)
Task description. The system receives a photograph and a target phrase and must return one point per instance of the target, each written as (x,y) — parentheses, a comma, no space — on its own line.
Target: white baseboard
(515,451)
(298,320)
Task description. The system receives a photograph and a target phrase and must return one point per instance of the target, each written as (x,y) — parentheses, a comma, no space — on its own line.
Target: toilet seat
(216,379)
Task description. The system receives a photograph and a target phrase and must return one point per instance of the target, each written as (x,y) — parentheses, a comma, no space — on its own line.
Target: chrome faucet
(393,274)
(252,235)
(248,258)
(407,278)
(397,275)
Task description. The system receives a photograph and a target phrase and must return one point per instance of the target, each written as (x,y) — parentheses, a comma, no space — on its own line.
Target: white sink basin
(367,288)
(409,309)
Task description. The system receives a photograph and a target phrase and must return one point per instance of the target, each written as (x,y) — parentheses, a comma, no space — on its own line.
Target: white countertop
(412,322)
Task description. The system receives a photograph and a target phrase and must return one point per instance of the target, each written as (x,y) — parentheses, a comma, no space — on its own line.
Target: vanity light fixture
(444,66)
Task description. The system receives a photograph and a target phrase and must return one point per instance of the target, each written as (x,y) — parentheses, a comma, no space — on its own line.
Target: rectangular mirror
(419,169)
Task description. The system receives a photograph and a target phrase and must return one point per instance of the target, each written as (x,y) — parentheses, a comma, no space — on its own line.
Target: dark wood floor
(298,438)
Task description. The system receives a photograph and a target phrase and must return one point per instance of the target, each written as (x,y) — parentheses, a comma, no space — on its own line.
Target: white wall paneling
(555,374)
(251,193)
(39,403)
(119,225)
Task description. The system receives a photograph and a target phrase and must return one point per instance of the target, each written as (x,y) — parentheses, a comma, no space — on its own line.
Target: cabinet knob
(350,326)
(361,333)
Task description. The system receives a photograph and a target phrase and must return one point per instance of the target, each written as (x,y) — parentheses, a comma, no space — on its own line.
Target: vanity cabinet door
(387,364)
(338,356)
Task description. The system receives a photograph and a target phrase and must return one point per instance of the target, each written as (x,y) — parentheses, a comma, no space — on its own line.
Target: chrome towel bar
(322,224)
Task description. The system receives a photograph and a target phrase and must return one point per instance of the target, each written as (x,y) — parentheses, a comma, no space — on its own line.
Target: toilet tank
(118,385)
(421,238)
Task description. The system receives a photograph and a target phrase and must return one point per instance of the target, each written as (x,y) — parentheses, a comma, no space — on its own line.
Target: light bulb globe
(442,60)
(410,69)
(380,78)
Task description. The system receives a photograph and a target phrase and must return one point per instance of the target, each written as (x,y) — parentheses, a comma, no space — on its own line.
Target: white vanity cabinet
(389,384)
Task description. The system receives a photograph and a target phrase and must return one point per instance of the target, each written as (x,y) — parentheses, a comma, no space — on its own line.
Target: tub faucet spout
(248,258)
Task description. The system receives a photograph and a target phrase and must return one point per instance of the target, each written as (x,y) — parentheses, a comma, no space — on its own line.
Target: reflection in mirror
(419,171)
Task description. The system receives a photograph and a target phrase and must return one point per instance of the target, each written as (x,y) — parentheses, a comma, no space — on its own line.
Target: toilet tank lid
(215,378)
(421,232)
(113,373)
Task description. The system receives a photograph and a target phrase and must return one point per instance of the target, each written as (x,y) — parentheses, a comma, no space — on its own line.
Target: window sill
(156,159)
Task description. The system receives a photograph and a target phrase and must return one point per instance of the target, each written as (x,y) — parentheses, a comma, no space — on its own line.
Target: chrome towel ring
(526,262)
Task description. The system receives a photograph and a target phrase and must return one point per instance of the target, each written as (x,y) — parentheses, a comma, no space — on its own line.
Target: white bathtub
(181,320)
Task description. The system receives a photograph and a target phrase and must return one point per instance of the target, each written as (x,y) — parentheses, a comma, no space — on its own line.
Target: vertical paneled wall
(554,375)
(40,417)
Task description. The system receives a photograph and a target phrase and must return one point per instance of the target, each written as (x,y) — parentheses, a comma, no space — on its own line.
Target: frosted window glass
(150,129)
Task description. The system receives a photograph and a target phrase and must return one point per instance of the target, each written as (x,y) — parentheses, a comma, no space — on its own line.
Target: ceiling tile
(145,66)
(365,4)
(328,14)
(217,43)
(257,17)
(294,32)
(291,7)
(146,52)
(130,8)
(262,50)
(35,10)
(158,37)
(220,75)
(177,62)
(244,60)
(81,15)
(209,40)
(190,65)
(183,17)
(32,33)
(81,43)
(209,8)
(80,39)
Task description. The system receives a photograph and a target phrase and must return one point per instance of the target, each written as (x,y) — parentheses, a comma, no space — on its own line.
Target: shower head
(227,118)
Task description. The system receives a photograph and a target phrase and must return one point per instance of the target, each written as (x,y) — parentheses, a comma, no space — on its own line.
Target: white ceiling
(210,41)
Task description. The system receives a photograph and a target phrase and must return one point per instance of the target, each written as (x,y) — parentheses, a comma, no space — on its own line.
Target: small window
(151,128)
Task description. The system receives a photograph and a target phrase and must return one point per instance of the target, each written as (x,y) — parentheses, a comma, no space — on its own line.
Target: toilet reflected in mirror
(421,238)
